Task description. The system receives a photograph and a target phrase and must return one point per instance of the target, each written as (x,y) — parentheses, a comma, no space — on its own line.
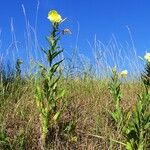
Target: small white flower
(124,73)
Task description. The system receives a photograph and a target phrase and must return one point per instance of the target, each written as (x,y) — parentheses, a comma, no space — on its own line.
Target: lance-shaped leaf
(54,68)
(55,54)
(57,116)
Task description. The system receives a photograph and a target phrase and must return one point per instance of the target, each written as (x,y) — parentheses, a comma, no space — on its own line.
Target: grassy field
(86,110)
(66,107)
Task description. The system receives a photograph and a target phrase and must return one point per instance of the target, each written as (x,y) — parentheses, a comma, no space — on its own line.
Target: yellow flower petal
(54,17)
(147,57)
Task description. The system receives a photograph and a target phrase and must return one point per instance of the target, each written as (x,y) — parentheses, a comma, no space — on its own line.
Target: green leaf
(129,146)
(44,50)
(54,68)
(38,94)
(57,116)
(49,57)
(55,54)
(61,94)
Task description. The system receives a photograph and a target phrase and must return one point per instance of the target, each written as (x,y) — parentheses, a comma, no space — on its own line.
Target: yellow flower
(147,57)
(124,73)
(54,17)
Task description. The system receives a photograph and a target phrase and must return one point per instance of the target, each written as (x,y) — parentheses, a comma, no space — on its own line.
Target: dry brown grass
(87,104)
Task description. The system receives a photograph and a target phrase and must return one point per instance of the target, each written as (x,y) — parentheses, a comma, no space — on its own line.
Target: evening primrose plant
(134,125)
(137,132)
(49,97)
(115,90)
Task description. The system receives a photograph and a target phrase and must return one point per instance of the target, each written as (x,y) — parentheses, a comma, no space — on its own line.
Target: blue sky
(95,17)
